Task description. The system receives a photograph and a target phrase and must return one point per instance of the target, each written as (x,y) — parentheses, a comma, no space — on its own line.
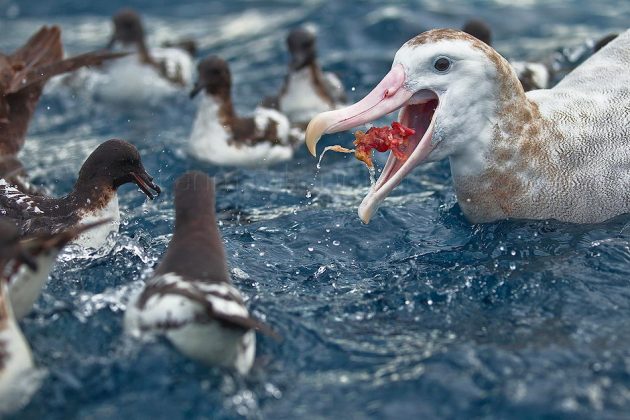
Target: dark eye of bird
(442,64)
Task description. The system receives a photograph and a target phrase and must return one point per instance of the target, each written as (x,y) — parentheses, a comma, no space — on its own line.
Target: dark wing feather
(195,291)
(42,48)
(30,76)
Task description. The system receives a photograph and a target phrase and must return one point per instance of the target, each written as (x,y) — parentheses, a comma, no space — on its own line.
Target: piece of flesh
(394,138)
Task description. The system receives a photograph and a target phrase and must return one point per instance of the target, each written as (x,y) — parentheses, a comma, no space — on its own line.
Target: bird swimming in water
(93,198)
(190,297)
(146,76)
(222,137)
(560,153)
(26,281)
(307,90)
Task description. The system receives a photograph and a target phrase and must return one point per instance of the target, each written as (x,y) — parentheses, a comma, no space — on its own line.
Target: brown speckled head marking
(515,146)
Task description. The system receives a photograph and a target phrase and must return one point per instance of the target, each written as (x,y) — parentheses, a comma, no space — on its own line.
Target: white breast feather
(97,237)
(301,102)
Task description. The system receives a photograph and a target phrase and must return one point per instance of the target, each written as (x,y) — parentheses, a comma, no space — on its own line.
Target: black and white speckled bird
(93,198)
(18,377)
(190,298)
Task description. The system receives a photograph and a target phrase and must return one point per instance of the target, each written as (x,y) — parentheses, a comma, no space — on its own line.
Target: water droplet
(308,194)
(372,172)
(512,266)
(311,249)
(336,243)
(513,253)
(261,254)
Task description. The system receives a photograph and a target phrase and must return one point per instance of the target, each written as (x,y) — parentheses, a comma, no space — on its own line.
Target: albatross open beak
(146,184)
(391,94)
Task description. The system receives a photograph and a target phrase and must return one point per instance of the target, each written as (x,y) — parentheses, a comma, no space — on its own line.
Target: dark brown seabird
(23,75)
(190,298)
(129,32)
(219,135)
(93,198)
(307,90)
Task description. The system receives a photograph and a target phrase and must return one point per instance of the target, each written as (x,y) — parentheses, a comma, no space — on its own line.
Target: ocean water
(417,315)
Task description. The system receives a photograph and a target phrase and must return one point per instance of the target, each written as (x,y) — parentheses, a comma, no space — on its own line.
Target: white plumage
(18,377)
(97,237)
(560,153)
(301,101)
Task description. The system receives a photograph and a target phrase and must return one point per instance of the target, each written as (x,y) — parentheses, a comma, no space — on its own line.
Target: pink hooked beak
(418,109)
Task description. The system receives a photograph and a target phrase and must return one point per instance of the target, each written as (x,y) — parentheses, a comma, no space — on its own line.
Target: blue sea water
(417,315)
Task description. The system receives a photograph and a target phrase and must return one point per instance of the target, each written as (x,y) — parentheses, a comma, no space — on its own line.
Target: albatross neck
(491,177)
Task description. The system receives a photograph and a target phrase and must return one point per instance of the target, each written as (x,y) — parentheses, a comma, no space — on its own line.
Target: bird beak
(146,184)
(418,110)
(389,95)
(196,89)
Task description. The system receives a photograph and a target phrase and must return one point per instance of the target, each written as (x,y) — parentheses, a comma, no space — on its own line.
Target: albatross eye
(442,64)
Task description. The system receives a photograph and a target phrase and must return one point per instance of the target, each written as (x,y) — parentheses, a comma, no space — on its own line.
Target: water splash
(372,171)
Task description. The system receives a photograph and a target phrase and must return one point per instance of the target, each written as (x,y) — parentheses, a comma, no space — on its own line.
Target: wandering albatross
(560,153)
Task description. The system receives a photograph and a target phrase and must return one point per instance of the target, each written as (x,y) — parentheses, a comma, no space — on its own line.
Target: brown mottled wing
(42,48)
(28,77)
(244,131)
(171,284)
